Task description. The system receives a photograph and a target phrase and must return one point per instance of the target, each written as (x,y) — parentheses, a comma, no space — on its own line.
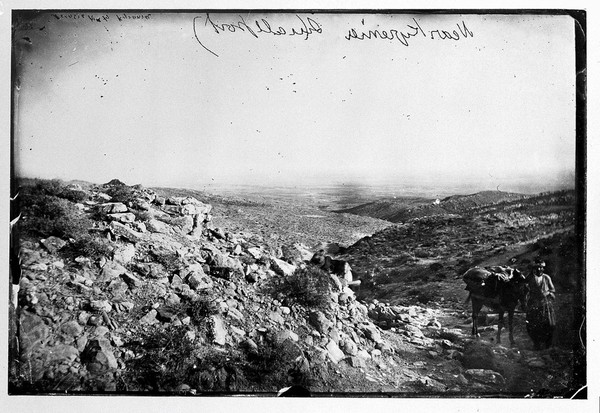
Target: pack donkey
(340,268)
(498,288)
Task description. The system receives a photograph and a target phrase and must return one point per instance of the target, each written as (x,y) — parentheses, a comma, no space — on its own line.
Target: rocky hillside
(421,262)
(281,222)
(129,289)
(404,209)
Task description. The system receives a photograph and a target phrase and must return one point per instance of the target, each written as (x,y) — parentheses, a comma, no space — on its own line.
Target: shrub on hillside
(46,215)
(48,210)
(165,360)
(276,365)
(272,366)
(54,187)
(73,195)
(88,246)
(202,308)
(121,193)
(45,187)
(168,259)
(310,287)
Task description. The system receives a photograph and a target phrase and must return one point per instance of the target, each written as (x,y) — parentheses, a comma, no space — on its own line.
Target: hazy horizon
(383,188)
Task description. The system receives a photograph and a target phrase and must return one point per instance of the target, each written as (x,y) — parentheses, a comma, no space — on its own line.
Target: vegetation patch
(310,287)
(121,193)
(88,246)
(45,213)
(164,358)
(168,259)
(202,308)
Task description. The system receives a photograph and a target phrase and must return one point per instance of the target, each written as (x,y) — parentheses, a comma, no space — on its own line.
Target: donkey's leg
(476,304)
(500,324)
(511,314)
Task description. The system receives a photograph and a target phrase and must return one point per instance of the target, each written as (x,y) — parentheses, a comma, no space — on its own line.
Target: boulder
(199,281)
(100,305)
(141,204)
(217,259)
(218,330)
(124,253)
(124,217)
(334,334)
(166,314)
(349,347)
(383,347)
(156,226)
(484,376)
(428,384)
(98,356)
(174,200)
(149,318)
(33,333)
(282,268)
(291,254)
(172,299)
(250,346)
(479,356)
(413,331)
(190,269)
(196,208)
(255,252)
(72,329)
(275,317)
(62,353)
(131,280)
(122,230)
(110,271)
(152,270)
(371,332)
(40,266)
(319,321)
(113,208)
(284,335)
(357,362)
(334,353)
(102,196)
(183,224)
(99,332)
(53,244)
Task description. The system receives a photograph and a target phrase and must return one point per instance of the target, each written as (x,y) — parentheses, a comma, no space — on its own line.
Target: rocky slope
(403,209)
(129,289)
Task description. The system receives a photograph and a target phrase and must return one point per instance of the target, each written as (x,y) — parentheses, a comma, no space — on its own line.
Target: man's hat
(540,263)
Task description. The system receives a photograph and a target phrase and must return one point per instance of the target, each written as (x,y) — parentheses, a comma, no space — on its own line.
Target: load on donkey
(499,288)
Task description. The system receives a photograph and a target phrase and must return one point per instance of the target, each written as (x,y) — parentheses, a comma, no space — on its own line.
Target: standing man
(541,318)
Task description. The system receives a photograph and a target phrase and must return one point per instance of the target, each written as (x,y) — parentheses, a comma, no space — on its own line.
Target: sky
(190,99)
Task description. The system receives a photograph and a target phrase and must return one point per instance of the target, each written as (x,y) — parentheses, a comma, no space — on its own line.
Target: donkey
(498,288)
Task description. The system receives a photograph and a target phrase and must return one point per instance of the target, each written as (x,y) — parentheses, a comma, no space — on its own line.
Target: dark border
(580,27)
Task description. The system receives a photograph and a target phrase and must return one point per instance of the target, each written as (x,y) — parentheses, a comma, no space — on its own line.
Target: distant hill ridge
(403,209)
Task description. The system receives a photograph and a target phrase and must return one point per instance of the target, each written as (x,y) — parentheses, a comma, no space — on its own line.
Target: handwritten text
(412,30)
(305,27)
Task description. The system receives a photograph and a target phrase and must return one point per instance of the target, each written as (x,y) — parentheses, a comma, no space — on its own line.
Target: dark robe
(541,318)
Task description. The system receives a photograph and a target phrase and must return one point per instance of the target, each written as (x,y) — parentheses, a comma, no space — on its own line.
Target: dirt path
(527,373)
